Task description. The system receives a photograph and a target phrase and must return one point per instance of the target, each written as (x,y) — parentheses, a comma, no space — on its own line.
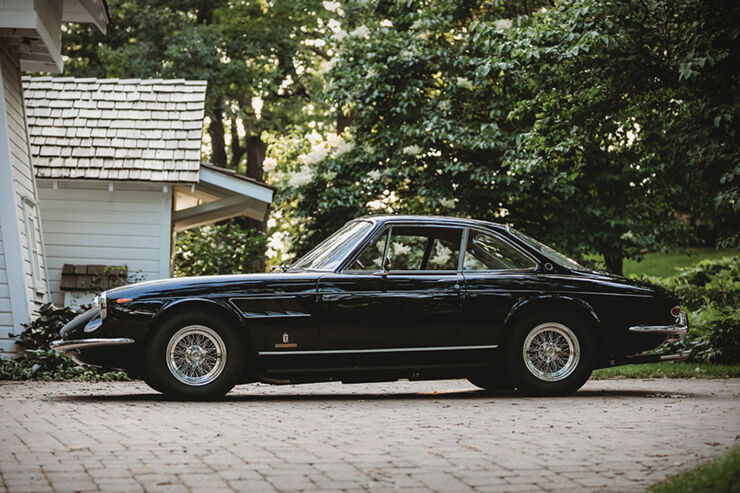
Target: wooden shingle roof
(115,129)
(92,277)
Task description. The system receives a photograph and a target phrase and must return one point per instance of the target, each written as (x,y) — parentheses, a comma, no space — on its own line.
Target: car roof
(390,218)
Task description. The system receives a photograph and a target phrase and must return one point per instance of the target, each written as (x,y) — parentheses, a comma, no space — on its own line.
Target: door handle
(457,285)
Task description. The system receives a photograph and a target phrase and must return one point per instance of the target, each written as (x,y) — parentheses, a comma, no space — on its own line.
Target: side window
(486,252)
(371,258)
(424,248)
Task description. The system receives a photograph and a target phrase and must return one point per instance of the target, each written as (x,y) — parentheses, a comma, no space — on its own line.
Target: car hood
(184,286)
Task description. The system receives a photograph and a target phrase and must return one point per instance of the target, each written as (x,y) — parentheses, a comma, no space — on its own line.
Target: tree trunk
(255,150)
(237,151)
(255,156)
(218,142)
(614,262)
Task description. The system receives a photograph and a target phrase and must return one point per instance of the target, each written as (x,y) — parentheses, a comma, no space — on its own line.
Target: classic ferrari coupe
(384,298)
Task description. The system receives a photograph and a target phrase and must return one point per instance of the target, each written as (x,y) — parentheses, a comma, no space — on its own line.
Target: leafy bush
(710,291)
(709,281)
(218,249)
(41,363)
(723,341)
(45,328)
(49,365)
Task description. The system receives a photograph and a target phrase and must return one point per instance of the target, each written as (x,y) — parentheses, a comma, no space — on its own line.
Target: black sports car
(384,298)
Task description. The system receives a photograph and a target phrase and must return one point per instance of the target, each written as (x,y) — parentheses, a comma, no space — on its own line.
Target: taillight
(676,311)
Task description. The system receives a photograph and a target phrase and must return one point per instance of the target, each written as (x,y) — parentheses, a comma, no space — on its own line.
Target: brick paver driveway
(620,435)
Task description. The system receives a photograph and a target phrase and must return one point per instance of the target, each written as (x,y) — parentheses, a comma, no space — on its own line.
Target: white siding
(6,316)
(22,285)
(93,226)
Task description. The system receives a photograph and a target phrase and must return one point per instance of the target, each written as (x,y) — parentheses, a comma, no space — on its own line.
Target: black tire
(493,379)
(555,367)
(152,383)
(490,383)
(210,343)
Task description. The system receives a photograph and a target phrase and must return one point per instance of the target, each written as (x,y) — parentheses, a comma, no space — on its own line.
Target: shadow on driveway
(471,394)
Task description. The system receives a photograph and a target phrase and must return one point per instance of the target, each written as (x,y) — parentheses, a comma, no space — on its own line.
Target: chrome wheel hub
(196,355)
(551,352)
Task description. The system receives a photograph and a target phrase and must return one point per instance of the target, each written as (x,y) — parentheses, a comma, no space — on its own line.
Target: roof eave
(87,12)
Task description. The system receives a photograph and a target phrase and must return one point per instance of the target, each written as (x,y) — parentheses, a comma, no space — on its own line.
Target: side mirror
(386,263)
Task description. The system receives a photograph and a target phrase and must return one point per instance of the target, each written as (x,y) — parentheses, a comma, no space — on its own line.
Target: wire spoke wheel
(551,352)
(196,355)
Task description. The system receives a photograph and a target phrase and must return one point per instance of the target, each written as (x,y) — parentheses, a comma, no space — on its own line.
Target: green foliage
(218,249)
(664,264)
(708,282)
(668,369)
(48,365)
(721,475)
(248,51)
(46,326)
(41,363)
(421,139)
(711,291)
(562,122)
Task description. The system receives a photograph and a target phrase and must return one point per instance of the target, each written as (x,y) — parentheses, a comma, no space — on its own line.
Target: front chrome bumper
(74,346)
(674,332)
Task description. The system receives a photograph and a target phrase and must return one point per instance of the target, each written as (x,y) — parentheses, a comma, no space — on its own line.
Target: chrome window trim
(387,228)
(372,222)
(505,240)
(369,236)
(463,249)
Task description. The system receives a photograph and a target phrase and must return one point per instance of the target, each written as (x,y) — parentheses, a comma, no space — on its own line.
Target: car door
(496,274)
(399,301)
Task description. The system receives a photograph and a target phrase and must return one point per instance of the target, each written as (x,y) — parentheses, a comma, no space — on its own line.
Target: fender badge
(286,342)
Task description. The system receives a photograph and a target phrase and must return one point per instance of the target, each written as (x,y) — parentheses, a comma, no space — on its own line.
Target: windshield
(548,252)
(330,252)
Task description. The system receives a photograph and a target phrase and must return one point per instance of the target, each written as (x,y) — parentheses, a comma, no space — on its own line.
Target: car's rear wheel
(194,356)
(493,378)
(550,356)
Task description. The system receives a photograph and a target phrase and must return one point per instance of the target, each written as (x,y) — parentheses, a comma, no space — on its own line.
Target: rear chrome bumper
(674,332)
(74,346)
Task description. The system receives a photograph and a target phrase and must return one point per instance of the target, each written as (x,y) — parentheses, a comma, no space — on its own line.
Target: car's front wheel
(550,356)
(194,356)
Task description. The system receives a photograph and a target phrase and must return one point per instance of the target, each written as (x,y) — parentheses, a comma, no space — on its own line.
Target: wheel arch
(202,305)
(560,304)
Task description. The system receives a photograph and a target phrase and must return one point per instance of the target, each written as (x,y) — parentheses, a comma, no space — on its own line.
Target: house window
(32,243)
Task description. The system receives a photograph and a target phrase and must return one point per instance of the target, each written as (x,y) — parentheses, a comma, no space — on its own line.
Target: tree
(217,249)
(424,136)
(574,123)
(620,124)
(259,60)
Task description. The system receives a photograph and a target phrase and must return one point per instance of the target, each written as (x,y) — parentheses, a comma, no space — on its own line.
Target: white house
(118,170)
(30,40)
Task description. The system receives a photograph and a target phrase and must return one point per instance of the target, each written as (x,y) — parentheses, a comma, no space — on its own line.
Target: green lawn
(664,264)
(721,475)
(669,369)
